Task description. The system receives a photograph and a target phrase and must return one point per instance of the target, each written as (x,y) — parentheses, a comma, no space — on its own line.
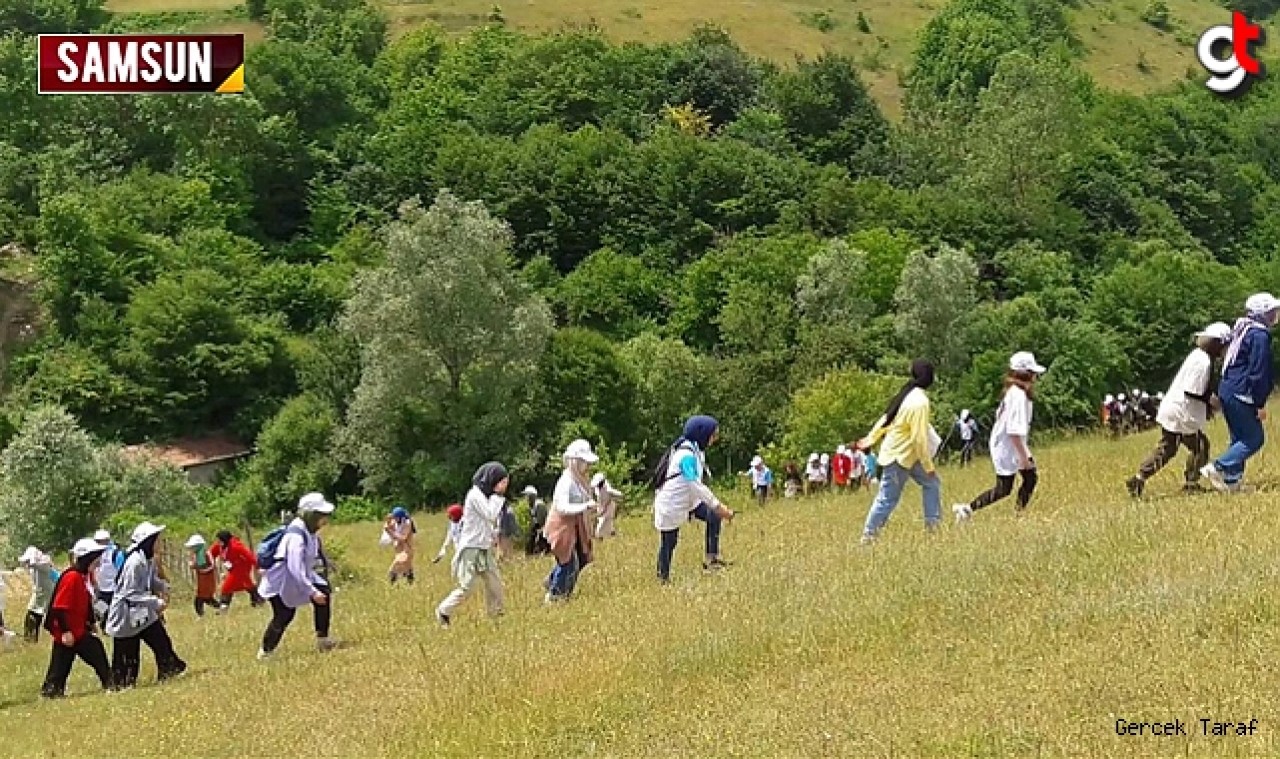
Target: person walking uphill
(1009,452)
(136,613)
(1247,382)
(475,558)
(206,574)
(291,582)
(1185,411)
(400,527)
(71,622)
(43,577)
(239,564)
(904,453)
(682,495)
(567,529)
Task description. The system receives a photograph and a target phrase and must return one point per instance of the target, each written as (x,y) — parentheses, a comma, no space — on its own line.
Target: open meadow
(1010,636)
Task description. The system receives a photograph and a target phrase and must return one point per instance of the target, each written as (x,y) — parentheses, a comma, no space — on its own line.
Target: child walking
(761,480)
(451,532)
(478,534)
(1009,452)
(206,574)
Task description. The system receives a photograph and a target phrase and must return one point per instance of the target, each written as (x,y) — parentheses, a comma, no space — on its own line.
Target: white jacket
(679,495)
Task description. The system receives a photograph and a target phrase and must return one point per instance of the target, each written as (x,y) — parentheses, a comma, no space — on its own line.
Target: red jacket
(841,466)
(72,607)
(242,562)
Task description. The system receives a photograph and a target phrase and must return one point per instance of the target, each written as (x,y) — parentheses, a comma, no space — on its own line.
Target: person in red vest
(70,621)
(841,468)
(239,565)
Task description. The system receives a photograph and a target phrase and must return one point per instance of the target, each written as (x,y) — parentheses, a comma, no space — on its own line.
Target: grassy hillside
(1011,637)
(1123,51)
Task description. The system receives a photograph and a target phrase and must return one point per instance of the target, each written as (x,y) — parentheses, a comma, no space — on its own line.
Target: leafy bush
(838,407)
(1156,14)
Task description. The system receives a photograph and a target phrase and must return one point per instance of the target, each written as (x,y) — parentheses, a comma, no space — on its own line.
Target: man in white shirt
(1185,410)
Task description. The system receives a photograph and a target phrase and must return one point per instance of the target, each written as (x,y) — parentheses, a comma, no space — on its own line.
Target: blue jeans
(669,538)
(892,479)
(1246,437)
(564,578)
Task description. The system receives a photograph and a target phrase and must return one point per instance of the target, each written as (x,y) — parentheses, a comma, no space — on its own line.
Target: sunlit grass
(1011,637)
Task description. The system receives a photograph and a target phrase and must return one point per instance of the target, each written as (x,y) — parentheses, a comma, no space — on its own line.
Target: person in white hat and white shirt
(814,477)
(71,622)
(291,582)
(761,480)
(1247,381)
(136,614)
(606,497)
(968,427)
(1185,410)
(104,578)
(43,576)
(1010,454)
(568,531)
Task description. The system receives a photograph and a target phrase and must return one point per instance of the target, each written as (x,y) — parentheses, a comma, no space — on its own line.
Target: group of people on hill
(124,591)
(847,469)
(1122,413)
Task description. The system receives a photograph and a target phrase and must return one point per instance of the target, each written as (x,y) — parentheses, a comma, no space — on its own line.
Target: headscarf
(201,553)
(921,377)
(578,470)
(148,546)
(83,562)
(400,513)
(224,537)
(1255,320)
(488,476)
(698,430)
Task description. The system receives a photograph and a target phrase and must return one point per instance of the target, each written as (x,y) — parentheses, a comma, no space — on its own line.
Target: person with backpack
(1010,454)
(452,531)
(206,574)
(400,527)
(137,613)
(1247,382)
(70,622)
(43,577)
(682,495)
(238,566)
(475,560)
(568,531)
(288,557)
(905,453)
(104,578)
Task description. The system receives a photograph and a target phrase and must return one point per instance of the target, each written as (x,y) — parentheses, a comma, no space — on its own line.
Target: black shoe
(1135,485)
(1193,488)
(443,620)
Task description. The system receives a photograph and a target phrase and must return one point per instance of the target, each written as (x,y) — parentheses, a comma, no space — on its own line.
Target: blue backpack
(270,546)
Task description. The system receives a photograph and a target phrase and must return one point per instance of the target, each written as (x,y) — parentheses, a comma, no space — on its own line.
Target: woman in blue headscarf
(683,495)
(401,529)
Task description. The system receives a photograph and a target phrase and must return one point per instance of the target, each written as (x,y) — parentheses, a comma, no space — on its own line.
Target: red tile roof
(189,452)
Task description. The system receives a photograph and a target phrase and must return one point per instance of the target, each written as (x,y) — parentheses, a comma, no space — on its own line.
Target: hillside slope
(1011,637)
(1124,52)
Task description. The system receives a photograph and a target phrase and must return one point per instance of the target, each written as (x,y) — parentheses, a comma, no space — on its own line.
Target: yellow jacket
(906,440)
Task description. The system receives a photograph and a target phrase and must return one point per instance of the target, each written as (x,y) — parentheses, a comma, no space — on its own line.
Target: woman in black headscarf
(909,443)
(475,558)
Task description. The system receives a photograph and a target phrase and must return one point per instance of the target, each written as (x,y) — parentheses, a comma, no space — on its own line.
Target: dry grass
(1012,637)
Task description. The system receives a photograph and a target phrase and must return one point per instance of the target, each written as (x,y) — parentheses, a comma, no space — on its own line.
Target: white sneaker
(962,511)
(1211,473)
(263,655)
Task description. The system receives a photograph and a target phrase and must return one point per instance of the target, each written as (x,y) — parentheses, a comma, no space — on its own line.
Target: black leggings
(203,602)
(126,656)
(90,650)
(1004,486)
(254,598)
(282,616)
(31,626)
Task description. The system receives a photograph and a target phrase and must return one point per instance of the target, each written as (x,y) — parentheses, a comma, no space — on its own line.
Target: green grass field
(1123,51)
(1009,637)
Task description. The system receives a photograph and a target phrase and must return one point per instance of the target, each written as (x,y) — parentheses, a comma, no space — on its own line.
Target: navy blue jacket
(1250,374)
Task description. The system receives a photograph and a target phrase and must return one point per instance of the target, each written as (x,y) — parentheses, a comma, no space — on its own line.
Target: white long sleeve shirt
(293,577)
(479,520)
(683,489)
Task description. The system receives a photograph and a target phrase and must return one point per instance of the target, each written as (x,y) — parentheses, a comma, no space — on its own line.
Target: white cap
(1122,396)
(599,478)
(530,490)
(85,547)
(142,532)
(195,540)
(840,448)
(964,413)
(756,461)
(581,450)
(1160,394)
(1261,303)
(314,502)
(813,457)
(1218,330)
(30,556)
(1109,398)
(102,536)
(1145,394)
(1024,361)
(1136,392)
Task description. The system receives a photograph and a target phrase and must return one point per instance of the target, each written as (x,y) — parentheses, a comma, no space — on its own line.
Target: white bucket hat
(30,557)
(314,502)
(195,540)
(530,490)
(1025,361)
(142,532)
(1261,303)
(581,450)
(1218,331)
(597,480)
(86,547)
(102,536)
(1108,399)
(813,457)
(757,461)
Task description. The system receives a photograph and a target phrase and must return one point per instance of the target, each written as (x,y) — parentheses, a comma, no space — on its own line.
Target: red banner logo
(111,64)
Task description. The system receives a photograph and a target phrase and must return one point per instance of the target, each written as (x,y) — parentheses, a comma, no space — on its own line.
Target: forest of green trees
(393,260)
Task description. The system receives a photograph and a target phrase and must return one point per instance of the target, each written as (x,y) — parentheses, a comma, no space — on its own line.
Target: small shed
(201,458)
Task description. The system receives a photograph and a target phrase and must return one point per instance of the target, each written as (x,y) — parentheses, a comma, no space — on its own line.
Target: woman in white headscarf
(567,529)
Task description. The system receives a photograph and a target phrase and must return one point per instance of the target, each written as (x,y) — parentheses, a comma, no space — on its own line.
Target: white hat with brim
(102,536)
(1024,361)
(30,556)
(1218,331)
(530,490)
(142,532)
(195,540)
(86,547)
(581,450)
(757,461)
(598,480)
(314,503)
(1261,303)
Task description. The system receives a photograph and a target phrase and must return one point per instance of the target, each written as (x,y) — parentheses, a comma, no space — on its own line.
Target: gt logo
(1230,75)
